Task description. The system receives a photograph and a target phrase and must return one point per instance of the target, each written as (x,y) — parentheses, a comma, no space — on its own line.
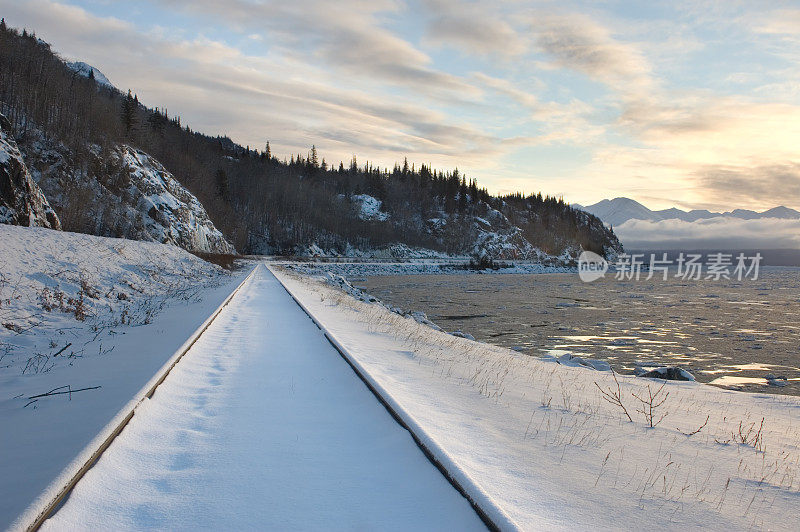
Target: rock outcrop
(21,200)
(122,192)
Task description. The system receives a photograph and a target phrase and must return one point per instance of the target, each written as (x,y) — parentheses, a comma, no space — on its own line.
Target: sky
(694,104)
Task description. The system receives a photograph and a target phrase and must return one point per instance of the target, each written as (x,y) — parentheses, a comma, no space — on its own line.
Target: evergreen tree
(128,112)
(221,180)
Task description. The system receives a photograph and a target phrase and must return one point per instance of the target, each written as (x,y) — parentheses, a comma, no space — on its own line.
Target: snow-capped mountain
(21,200)
(619,210)
(89,71)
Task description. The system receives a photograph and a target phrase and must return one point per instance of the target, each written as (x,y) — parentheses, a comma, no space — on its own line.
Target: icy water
(728,333)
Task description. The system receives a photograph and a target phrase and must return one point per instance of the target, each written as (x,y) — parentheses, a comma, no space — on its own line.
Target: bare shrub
(614,397)
(651,403)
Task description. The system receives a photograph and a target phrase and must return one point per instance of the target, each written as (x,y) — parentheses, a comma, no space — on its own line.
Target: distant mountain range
(619,210)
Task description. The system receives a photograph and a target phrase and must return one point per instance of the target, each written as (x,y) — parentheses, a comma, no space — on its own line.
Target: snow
(536,441)
(263,422)
(263,425)
(133,195)
(174,214)
(167,295)
(86,70)
(369,208)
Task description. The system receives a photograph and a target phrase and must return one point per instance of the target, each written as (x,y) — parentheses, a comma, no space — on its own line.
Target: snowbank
(545,442)
(54,281)
(79,311)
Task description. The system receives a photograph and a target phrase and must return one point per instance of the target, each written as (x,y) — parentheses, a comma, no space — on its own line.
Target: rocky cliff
(21,200)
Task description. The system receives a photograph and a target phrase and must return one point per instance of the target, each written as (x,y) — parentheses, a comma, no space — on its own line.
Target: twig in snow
(62,349)
(69,391)
(696,431)
(615,398)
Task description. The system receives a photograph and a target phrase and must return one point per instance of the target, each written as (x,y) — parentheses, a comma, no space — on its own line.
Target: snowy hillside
(89,71)
(21,200)
(79,311)
(51,281)
(122,192)
(257,201)
(175,215)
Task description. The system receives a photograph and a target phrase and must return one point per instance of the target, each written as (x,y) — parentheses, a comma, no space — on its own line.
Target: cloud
(785,22)
(472,28)
(218,88)
(718,233)
(507,88)
(759,184)
(579,43)
(348,35)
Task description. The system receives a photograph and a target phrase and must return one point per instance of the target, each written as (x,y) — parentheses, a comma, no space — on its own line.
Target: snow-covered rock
(568,359)
(174,215)
(122,192)
(670,373)
(89,71)
(461,334)
(369,208)
(506,243)
(21,200)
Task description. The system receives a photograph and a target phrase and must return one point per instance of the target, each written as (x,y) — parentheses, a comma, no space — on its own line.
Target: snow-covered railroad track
(491,516)
(63,485)
(262,426)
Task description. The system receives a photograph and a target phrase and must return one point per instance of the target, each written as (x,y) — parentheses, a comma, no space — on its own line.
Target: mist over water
(728,333)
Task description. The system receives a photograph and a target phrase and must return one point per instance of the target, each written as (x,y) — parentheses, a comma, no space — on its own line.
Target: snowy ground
(533,441)
(537,440)
(262,425)
(79,311)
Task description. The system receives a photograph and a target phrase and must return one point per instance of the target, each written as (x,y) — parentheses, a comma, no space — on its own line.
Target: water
(728,333)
